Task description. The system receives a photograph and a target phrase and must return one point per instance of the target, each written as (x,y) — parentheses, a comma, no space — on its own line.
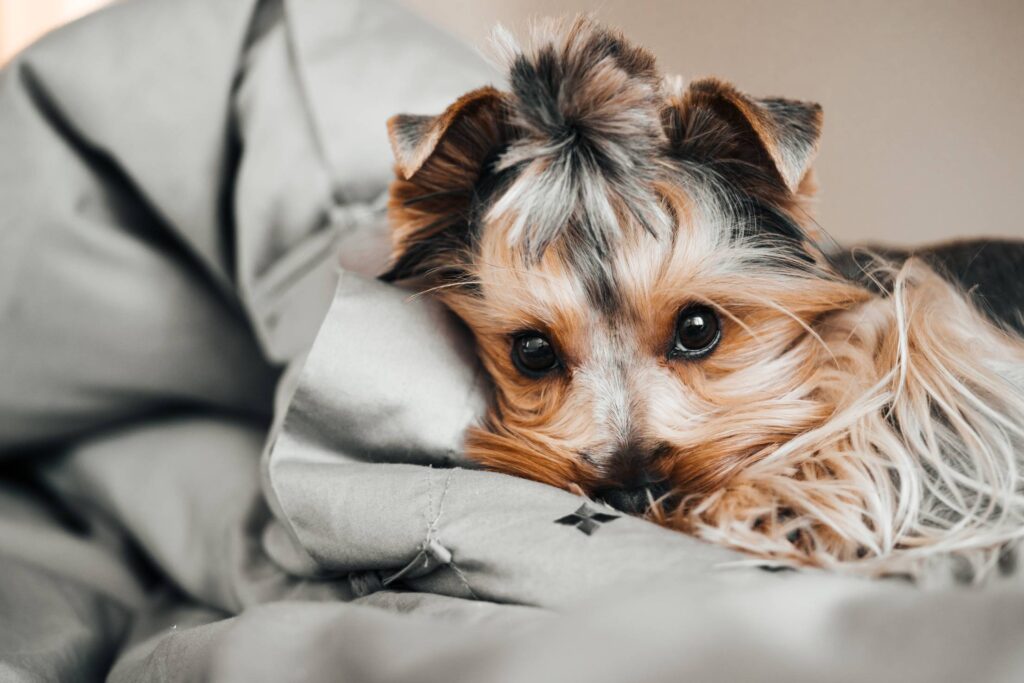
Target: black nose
(635,499)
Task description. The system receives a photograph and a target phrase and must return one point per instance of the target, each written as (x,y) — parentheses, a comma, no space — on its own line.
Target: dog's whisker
(437,288)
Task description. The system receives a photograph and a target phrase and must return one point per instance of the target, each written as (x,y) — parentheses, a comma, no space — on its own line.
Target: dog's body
(666,331)
(990,272)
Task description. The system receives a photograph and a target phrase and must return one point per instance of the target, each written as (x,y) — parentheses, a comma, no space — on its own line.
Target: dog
(667,329)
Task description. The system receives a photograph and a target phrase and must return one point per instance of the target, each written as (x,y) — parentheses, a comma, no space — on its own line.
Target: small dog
(667,329)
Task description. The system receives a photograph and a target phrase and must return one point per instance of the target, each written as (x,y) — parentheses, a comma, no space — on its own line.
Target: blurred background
(22,21)
(924,99)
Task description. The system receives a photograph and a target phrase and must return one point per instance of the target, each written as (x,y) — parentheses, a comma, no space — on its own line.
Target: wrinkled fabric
(228,453)
(353,497)
(116,298)
(804,630)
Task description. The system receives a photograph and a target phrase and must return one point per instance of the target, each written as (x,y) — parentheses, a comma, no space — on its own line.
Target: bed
(228,452)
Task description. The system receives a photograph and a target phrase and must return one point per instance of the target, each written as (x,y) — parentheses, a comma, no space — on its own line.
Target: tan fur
(709,411)
(863,486)
(832,426)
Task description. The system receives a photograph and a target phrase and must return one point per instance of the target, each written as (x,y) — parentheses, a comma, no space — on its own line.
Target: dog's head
(637,265)
(632,258)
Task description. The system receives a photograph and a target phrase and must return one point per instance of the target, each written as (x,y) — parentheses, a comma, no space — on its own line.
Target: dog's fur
(858,412)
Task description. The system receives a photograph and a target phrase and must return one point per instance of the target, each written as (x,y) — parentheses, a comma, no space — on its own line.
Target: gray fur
(586,107)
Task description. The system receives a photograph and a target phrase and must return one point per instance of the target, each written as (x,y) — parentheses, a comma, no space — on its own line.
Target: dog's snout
(633,456)
(633,499)
(635,477)
(638,460)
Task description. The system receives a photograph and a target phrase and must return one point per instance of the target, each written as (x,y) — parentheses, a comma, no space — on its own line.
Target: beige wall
(22,21)
(924,99)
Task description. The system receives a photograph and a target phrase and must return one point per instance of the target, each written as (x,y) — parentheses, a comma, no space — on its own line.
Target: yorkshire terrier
(668,330)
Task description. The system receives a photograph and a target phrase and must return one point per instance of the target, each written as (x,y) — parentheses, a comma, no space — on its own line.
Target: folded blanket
(228,453)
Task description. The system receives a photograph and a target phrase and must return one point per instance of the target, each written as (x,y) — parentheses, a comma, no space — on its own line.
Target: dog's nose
(633,499)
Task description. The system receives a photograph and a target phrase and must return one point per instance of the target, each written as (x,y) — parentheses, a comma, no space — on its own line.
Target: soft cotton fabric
(228,453)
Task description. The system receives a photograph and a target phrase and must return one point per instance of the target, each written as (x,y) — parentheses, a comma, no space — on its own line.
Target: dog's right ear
(438,163)
(772,141)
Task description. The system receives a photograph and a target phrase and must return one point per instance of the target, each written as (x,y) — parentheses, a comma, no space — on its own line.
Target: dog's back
(990,270)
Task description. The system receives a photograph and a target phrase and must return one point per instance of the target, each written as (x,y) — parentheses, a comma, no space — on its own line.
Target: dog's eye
(698,331)
(533,355)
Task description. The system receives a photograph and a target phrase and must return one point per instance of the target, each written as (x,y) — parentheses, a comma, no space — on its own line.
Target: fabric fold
(360,472)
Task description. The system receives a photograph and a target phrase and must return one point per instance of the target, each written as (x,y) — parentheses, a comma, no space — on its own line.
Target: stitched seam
(463,580)
(440,504)
(430,505)
(432,529)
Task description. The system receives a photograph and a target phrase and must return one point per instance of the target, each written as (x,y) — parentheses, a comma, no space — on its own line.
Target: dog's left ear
(439,161)
(775,138)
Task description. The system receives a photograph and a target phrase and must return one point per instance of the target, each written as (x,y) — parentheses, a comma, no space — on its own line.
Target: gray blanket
(228,453)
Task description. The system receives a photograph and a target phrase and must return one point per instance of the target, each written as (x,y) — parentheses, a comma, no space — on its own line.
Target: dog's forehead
(581,237)
(580,288)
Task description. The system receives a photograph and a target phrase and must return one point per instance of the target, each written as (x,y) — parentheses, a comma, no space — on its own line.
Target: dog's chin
(501,448)
(742,517)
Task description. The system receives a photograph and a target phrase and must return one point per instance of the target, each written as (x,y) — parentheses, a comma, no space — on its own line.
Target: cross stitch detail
(587,519)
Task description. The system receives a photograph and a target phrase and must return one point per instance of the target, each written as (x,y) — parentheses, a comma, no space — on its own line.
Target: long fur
(922,456)
(871,429)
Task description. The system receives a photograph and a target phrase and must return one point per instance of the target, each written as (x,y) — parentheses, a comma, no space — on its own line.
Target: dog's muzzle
(634,499)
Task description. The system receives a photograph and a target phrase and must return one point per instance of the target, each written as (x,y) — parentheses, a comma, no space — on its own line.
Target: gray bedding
(227,452)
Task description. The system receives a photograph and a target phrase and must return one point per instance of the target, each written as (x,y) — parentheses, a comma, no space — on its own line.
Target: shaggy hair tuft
(586,108)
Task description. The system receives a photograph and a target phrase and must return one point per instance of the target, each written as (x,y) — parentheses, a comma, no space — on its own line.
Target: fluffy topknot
(586,145)
(585,104)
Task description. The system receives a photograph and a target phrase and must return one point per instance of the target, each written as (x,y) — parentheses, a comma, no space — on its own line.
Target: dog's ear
(763,139)
(438,162)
